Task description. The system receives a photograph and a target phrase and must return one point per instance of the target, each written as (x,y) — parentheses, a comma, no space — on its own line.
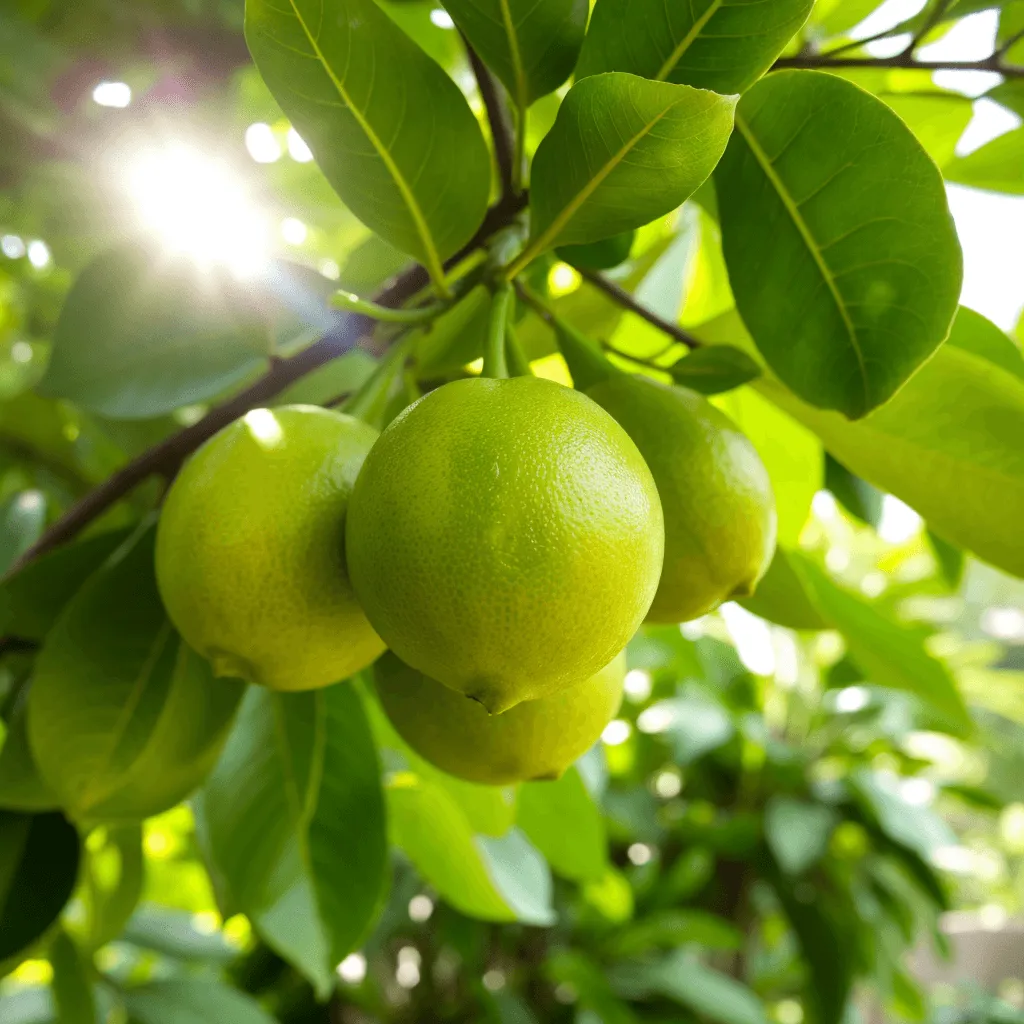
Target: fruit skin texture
(720,520)
(537,739)
(505,538)
(250,556)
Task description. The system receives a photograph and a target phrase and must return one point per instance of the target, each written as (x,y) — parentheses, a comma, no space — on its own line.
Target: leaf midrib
(517,58)
(684,44)
(544,240)
(810,241)
(433,260)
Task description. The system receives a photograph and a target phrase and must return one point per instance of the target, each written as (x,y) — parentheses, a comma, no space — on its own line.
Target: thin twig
(17,645)
(168,455)
(502,133)
(627,301)
(902,61)
(938,12)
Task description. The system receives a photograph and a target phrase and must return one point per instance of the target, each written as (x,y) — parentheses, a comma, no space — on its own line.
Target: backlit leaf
(389,129)
(865,266)
(724,45)
(622,151)
(124,719)
(531,45)
(998,166)
(292,822)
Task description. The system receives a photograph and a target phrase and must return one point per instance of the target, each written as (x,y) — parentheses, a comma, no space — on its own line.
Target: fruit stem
(586,363)
(353,304)
(518,363)
(369,402)
(494,352)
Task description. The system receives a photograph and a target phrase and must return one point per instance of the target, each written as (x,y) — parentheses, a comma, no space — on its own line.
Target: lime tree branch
(903,61)
(165,457)
(502,133)
(627,301)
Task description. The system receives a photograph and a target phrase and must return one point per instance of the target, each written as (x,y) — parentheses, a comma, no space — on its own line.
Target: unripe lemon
(537,739)
(250,555)
(505,538)
(715,492)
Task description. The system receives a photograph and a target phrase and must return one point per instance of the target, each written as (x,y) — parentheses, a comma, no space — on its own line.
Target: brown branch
(627,301)
(498,118)
(903,61)
(167,456)
(17,645)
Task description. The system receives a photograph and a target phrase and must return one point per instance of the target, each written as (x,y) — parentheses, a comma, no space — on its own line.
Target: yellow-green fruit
(250,553)
(505,538)
(715,493)
(537,739)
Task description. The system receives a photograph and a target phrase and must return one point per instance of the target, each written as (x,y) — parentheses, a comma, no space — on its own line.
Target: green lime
(505,538)
(715,493)
(250,555)
(537,739)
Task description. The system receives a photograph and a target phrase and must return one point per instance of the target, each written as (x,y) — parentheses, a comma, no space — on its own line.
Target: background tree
(796,787)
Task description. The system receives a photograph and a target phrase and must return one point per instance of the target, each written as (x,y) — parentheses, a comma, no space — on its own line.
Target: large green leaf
(565,824)
(32,598)
(488,878)
(975,333)
(865,267)
(781,597)
(38,866)
(724,45)
(891,654)
(292,822)
(193,1001)
(948,444)
(531,45)
(124,719)
(998,166)
(707,992)
(390,130)
(622,151)
(139,336)
(21,786)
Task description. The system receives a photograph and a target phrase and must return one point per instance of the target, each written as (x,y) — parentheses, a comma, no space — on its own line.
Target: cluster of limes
(503,537)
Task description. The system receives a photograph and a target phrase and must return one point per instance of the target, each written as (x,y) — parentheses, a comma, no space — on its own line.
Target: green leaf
(400,146)
(21,786)
(710,44)
(797,832)
(602,255)
(139,336)
(823,934)
(947,445)
(22,518)
(917,828)
(124,719)
(998,166)
(72,987)
(791,454)
(292,821)
(782,598)
(433,832)
(865,265)
(694,723)
(976,334)
(713,370)
(172,933)
(32,598)
(112,900)
(192,1001)
(679,977)
(38,866)
(857,496)
(667,929)
(891,654)
(565,824)
(622,151)
(531,46)
(951,559)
